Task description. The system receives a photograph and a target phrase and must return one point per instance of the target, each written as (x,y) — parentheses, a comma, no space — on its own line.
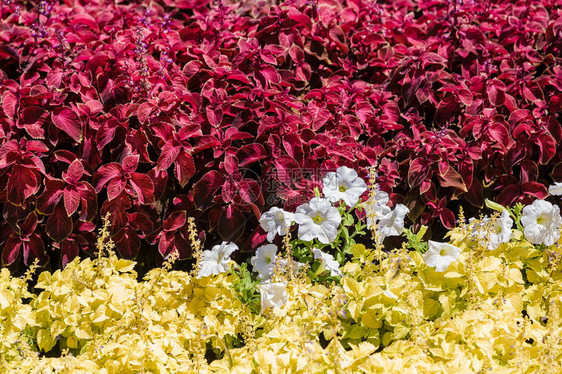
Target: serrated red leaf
(9,104)
(168,155)
(59,224)
(175,221)
(105,173)
(144,187)
(231,165)
(143,112)
(89,201)
(115,187)
(231,223)
(74,173)
(127,243)
(22,183)
(11,250)
(130,163)
(204,189)
(185,168)
(50,197)
(250,153)
(37,146)
(71,199)
(66,120)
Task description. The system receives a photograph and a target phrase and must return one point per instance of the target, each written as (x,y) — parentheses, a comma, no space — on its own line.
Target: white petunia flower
(216,260)
(541,221)
(555,189)
(344,185)
(392,223)
(276,221)
(499,232)
(440,255)
(376,207)
(327,262)
(264,261)
(273,295)
(318,219)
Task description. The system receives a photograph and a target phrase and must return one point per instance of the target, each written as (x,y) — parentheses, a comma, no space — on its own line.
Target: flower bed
(233,140)
(490,299)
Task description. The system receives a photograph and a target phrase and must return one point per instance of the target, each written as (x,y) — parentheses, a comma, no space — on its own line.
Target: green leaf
(348,220)
(494,206)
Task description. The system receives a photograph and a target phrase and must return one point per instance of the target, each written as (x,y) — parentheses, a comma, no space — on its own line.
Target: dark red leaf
(89,201)
(174,221)
(509,195)
(495,93)
(418,171)
(53,192)
(34,248)
(117,209)
(105,173)
(71,199)
(37,146)
(231,165)
(115,187)
(168,155)
(11,250)
(22,183)
(250,153)
(206,141)
(28,227)
(547,146)
(66,120)
(130,163)
(231,223)
(69,250)
(204,190)
(74,173)
(85,19)
(535,189)
(143,186)
(9,104)
(166,243)
(143,112)
(185,168)
(127,243)
(59,224)
(447,218)
(250,191)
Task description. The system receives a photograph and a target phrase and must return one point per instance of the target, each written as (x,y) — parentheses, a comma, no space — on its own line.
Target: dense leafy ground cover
(294,180)
(481,303)
(218,110)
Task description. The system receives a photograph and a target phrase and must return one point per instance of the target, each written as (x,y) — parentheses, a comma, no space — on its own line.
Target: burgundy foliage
(219,109)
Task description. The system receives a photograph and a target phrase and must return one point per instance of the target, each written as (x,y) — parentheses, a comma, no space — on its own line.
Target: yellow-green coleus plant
(490,309)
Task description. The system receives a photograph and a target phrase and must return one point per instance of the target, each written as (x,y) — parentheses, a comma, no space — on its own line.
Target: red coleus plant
(218,110)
